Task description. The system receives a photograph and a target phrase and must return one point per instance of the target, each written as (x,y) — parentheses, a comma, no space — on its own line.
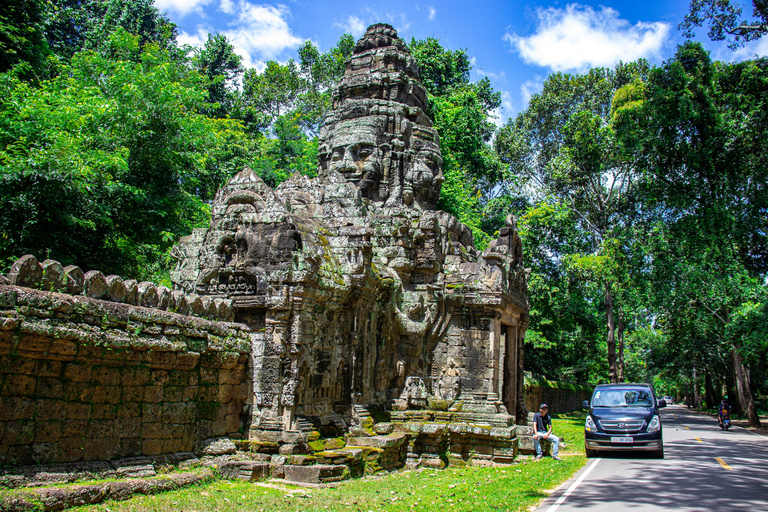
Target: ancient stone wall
(90,379)
(560,397)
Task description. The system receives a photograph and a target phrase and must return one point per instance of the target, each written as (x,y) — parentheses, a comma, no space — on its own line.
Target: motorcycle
(724,415)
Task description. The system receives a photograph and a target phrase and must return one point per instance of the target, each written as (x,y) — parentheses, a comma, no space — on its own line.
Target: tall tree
(563,148)
(218,61)
(698,137)
(74,25)
(107,164)
(21,35)
(461,111)
(725,21)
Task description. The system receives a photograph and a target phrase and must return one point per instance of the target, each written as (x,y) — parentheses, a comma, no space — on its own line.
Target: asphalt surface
(689,478)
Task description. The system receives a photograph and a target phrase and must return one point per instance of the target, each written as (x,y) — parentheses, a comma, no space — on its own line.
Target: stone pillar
(521,413)
(494,390)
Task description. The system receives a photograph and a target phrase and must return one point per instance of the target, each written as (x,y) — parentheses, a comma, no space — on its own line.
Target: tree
(724,19)
(21,38)
(563,147)
(107,164)
(697,139)
(74,25)
(218,61)
(461,112)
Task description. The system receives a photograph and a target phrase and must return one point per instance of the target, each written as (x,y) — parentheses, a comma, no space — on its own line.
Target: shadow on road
(689,478)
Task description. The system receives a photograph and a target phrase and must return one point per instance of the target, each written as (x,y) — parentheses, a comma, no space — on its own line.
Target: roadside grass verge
(515,487)
(571,427)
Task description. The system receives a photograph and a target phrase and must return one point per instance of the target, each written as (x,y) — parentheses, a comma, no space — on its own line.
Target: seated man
(542,426)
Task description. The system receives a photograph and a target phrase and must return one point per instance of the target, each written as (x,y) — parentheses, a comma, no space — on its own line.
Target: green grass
(571,427)
(515,487)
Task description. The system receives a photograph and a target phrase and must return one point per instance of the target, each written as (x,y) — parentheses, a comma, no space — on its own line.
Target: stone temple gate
(361,293)
(339,305)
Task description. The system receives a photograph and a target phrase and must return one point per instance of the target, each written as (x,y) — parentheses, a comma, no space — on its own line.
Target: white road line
(573,487)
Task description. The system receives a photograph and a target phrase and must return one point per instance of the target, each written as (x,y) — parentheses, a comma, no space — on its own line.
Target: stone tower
(361,295)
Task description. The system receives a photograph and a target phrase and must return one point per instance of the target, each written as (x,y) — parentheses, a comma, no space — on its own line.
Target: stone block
(95,284)
(387,441)
(77,391)
(18,385)
(53,278)
(133,393)
(47,431)
(26,271)
(134,467)
(218,446)
(105,376)
(318,473)
(49,388)
(46,410)
(147,294)
(151,446)
(115,289)
(106,394)
(18,432)
(153,394)
(74,428)
(77,372)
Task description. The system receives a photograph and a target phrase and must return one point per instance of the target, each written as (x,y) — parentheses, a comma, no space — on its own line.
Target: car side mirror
(661,403)
(585,404)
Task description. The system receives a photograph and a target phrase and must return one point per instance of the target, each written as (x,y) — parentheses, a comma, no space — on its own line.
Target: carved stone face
(427,174)
(355,152)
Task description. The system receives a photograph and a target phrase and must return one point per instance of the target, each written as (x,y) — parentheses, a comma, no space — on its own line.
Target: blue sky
(516,44)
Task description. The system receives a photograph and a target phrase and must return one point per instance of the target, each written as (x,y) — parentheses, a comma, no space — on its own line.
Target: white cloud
(261,32)
(197,39)
(752,49)
(227,6)
(352,25)
(579,37)
(181,7)
(528,89)
(432,13)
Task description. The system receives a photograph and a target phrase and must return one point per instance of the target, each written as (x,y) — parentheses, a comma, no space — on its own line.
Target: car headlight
(654,425)
(589,426)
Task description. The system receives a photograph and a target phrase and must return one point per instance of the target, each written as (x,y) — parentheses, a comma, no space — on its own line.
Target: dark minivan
(623,417)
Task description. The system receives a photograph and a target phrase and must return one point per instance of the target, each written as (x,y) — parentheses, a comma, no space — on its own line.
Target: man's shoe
(538,457)
(556,458)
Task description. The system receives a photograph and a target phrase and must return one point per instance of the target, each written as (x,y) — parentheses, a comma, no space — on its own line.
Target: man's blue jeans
(552,438)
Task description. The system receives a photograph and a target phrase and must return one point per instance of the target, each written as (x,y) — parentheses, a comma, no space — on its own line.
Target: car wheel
(590,453)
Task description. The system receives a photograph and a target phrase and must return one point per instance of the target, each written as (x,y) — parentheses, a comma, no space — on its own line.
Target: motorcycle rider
(724,413)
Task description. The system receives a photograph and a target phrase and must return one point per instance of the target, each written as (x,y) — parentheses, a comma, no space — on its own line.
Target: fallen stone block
(317,474)
(248,471)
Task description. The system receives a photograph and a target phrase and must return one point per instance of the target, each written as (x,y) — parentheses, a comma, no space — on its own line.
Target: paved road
(689,478)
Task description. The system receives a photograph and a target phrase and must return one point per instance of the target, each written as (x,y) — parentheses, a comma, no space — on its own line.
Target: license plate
(622,439)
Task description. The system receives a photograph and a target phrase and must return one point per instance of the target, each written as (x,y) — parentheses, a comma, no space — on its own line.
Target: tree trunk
(743,391)
(709,390)
(620,335)
(611,335)
(696,389)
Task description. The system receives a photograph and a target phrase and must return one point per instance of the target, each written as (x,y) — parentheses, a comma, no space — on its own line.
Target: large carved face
(426,176)
(355,152)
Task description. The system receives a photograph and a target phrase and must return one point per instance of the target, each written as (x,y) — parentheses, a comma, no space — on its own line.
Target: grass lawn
(571,427)
(515,487)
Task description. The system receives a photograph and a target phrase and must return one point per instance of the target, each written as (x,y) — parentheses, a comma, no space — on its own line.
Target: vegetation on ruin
(639,190)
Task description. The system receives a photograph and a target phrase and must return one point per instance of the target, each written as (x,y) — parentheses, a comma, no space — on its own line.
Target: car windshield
(622,397)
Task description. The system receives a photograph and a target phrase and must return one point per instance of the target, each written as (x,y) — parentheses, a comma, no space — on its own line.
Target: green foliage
(218,61)
(288,103)
(21,37)
(108,163)
(460,110)
(75,25)
(723,17)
